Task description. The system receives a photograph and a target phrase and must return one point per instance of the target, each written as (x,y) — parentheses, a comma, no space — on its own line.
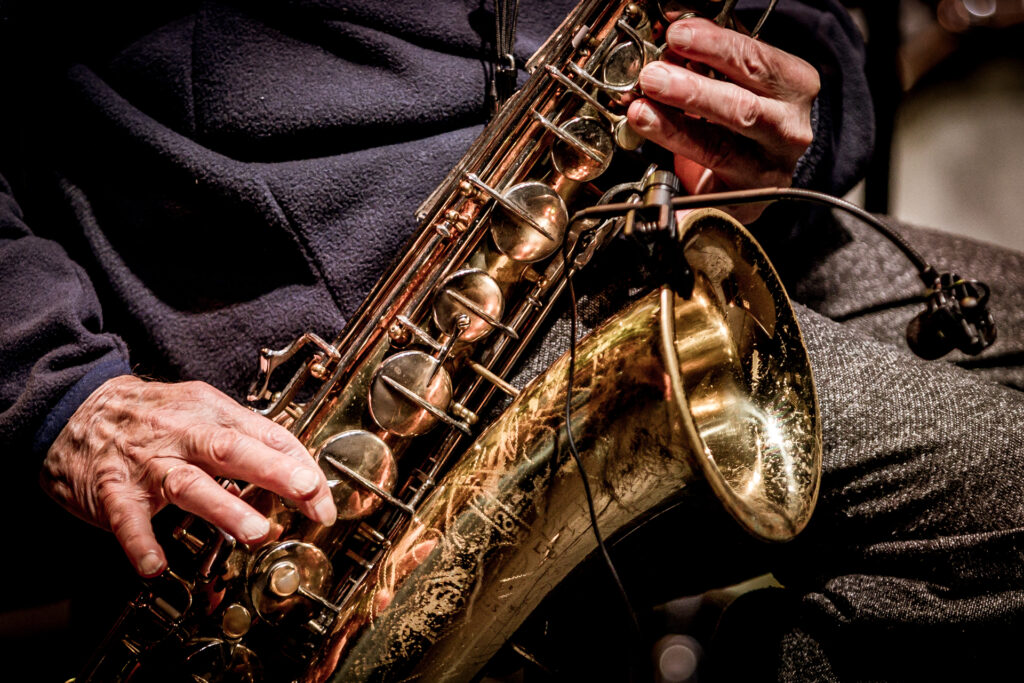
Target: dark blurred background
(948,78)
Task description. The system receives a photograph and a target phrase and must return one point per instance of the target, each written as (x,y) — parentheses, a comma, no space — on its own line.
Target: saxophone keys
(236,621)
(361,472)
(283,579)
(409,395)
(474,293)
(583,148)
(625,137)
(622,68)
(209,658)
(515,230)
(531,223)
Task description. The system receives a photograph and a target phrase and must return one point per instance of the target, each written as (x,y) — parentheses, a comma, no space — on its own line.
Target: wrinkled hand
(743,132)
(134,446)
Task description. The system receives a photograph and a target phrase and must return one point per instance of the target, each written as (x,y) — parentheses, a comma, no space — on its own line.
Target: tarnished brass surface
(667,390)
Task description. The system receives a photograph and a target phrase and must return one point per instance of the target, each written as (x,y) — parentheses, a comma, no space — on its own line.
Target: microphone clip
(653,224)
(956,316)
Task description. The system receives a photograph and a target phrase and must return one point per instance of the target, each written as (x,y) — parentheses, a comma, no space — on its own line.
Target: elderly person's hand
(745,128)
(134,446)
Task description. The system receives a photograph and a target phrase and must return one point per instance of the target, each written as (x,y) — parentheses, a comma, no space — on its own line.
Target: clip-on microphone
(956,317)
(653,223)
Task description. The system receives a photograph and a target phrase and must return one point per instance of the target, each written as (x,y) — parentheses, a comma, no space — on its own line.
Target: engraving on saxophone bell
(358,465)
(286,579)
(474,292)
(429,571)
(407,398)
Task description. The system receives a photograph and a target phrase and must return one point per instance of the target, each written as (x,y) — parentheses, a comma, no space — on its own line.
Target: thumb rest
(442,548)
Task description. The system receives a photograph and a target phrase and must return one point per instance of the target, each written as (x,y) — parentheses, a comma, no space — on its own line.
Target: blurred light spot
(953,16)
(980,8)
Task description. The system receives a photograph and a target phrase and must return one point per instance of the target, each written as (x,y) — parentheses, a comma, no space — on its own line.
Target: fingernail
(150,564)
(679,36)
(325,511)
(644,115)
(304,481)
(254,527)
(654,78)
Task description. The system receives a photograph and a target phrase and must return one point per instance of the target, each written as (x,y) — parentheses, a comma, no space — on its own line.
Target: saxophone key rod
(365,483)
(373,535)
(481,313)
(625,137)
(318,599)
(419,332)
(568,138)
(425,405)
(494,379)
(511,207)
(461,323)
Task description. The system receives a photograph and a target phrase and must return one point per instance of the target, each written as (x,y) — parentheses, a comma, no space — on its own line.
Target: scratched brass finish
(720,387)
(452,529)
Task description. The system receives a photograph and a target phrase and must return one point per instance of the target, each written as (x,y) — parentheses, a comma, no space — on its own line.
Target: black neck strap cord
(503,77)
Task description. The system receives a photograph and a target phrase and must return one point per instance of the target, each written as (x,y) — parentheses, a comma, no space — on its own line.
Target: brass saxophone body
(450,532)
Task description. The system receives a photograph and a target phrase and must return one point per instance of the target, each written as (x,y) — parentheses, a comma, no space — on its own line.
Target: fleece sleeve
(53,350)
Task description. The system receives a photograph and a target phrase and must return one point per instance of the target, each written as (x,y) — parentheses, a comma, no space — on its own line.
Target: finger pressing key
(753,64)
(194,491)
(229,453)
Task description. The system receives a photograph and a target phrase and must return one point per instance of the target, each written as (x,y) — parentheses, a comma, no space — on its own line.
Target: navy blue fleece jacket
(245,173)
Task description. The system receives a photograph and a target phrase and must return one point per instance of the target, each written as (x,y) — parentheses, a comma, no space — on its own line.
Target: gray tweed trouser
(912,566)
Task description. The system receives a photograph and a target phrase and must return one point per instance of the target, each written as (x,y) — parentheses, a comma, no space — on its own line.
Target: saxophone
(451,532)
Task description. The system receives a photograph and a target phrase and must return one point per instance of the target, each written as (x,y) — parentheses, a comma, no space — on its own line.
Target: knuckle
(813,85)
(751,62)
(691,95)
(181,481)
(746,110)
(222,446)
(798,134)
(803,79)
(802,137)
(110,481)
(277,437)
(191,390)
(135,452)
(197,391)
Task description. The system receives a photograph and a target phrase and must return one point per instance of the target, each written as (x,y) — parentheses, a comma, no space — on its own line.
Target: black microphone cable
(574,450)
